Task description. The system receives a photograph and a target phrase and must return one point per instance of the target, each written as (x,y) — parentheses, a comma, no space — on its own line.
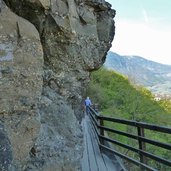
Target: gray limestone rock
(44,114)
(21,81)
(60,141)
(21,61)
(5,150)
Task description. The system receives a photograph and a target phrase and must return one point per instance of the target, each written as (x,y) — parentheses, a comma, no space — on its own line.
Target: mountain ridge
(153,75)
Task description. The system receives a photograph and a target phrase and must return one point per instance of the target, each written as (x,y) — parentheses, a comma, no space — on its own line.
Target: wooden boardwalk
(93,159)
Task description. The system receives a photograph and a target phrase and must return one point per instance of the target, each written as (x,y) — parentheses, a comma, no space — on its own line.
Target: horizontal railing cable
(129,159)
(159,159)
(99,128)
(153,142)
(137,124)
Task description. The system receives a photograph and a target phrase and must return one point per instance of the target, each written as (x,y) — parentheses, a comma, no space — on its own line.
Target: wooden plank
(85,160)
(109,164)
(91,154)
(93,159)
(100,162)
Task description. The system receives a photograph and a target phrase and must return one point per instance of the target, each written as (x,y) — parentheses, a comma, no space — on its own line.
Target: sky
(143,28)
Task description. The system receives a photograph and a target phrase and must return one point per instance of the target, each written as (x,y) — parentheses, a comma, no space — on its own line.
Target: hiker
(87,104)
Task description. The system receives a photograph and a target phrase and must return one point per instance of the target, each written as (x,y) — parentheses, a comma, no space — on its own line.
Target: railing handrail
(95,118)
(137,124)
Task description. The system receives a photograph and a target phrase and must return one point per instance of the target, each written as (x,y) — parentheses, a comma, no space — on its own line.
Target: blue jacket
(87,102)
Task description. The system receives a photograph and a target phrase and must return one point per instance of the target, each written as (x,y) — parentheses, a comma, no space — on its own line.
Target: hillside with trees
(117,97)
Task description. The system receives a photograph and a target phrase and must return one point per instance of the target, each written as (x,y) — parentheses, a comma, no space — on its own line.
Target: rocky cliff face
(47,50)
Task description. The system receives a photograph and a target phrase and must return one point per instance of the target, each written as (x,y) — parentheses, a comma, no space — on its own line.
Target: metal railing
(100,129)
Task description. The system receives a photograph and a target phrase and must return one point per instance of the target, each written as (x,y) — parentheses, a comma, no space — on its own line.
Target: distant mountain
(153,75)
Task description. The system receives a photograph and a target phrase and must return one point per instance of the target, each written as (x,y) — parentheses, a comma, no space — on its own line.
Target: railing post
(101,131)
(142,146)
(95,107)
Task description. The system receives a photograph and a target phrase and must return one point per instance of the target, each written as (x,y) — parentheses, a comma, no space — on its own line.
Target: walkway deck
(93,159)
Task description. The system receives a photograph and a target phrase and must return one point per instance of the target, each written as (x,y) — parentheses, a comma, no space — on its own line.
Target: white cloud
(133,38)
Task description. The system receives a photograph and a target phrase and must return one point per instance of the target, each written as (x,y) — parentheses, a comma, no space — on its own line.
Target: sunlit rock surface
(44,70)
(21,68)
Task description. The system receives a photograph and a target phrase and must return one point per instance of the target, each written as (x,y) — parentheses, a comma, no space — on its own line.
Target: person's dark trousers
(87,110)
